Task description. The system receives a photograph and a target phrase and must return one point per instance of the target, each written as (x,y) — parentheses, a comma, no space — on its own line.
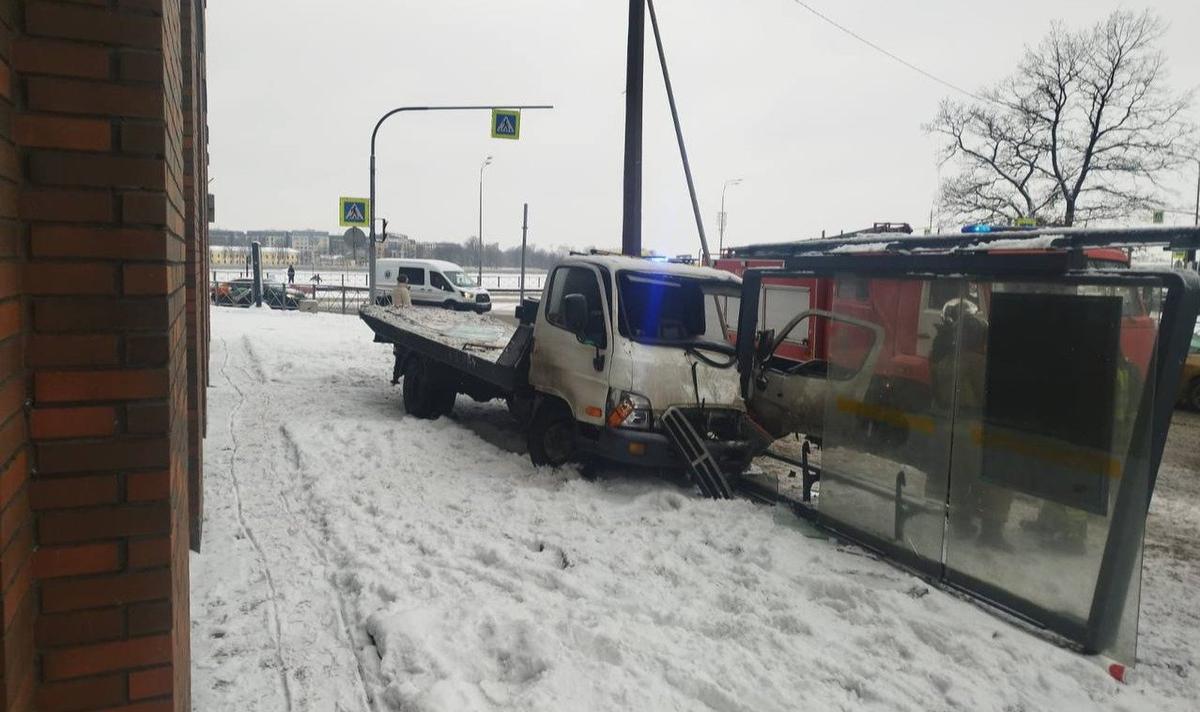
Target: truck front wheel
(551,436)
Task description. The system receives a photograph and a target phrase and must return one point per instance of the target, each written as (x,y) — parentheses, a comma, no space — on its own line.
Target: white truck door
(563,362)
(421,291)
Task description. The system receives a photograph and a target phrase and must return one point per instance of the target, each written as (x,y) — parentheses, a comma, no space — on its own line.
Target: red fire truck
(909,312)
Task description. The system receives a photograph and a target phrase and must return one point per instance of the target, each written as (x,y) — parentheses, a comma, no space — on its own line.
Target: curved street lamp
(487,162)
(721,217)
(375,134)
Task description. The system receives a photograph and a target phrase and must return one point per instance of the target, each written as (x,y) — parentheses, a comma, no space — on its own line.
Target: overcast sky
(825,131)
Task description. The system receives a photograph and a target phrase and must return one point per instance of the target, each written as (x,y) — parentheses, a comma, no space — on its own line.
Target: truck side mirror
(575,313)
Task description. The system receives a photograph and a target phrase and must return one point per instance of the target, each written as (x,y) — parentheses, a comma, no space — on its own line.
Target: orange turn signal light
(593,411)
(620,413)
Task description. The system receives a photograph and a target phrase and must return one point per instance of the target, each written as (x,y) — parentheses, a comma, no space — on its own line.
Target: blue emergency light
(978,227)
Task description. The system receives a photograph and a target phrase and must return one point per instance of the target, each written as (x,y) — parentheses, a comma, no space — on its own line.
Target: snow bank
(426,565)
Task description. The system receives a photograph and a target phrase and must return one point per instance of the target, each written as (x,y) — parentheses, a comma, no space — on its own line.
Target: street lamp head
(487,161)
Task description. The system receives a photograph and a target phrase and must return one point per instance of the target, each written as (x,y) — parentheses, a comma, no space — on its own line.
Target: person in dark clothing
(958,371)
(291,274)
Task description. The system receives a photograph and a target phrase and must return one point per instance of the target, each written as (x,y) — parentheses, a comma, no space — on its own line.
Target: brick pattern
(103,349)
(195,182)
(17,565)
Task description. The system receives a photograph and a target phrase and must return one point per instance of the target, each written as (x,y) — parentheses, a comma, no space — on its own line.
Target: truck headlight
(629,410)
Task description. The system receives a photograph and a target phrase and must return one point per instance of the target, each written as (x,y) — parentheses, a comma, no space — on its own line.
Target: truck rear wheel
(520,407)
(551,436)
(426,394)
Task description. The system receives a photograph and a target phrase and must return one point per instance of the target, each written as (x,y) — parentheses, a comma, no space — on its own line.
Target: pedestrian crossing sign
(506,123)
(354,212)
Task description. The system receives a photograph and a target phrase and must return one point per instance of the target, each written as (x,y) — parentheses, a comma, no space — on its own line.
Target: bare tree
(1083,130)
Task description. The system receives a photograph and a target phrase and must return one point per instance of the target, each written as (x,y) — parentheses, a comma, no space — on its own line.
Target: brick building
(103,349)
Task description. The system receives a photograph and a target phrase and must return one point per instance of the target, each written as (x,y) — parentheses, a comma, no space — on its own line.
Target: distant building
(399,246)
(231,238)
(309,244)
(238,257)
(269,238)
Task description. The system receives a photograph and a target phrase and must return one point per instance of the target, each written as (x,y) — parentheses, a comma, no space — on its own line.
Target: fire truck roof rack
(1048,239)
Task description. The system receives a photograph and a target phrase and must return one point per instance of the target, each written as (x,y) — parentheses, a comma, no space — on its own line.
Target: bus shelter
(989,411)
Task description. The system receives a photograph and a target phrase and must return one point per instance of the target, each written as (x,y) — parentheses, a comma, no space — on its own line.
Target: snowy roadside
(358,559)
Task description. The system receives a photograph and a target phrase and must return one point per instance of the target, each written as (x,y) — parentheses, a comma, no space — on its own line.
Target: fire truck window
(855,288)
(942,291)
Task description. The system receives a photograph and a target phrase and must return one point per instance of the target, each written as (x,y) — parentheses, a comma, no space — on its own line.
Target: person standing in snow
(401,293)
(291,274)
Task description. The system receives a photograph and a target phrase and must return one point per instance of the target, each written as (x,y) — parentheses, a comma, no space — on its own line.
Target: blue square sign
(354,212)
(506,123)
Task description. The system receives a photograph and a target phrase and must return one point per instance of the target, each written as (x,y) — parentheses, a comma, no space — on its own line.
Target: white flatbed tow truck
(621,359)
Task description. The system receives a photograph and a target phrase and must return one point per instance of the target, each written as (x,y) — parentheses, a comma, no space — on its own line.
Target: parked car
(240,293)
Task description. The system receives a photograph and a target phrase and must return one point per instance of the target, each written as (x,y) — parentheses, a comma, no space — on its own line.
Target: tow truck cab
(620,343)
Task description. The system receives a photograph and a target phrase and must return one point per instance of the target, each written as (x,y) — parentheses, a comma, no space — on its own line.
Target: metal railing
(502,282)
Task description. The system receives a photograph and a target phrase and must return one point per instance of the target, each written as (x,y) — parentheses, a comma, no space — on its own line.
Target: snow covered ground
(358,559)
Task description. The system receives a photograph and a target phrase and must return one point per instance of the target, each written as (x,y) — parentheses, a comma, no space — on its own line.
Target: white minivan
(433,282)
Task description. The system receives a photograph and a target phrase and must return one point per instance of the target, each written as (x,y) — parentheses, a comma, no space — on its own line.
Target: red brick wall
(103,332)
(195,182)
(17,599)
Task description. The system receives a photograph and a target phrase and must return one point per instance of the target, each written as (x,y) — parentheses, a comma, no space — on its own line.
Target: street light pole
(375,135)
(487,162)
(1197,222)
(1190,256)
(721,217)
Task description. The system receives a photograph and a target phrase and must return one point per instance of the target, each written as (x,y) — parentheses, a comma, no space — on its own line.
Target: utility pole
(631,232)
(487,162)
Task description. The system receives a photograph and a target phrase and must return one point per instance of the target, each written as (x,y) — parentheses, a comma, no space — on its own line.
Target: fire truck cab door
(791,397)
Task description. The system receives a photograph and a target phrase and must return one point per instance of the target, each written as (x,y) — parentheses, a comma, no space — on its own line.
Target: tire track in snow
(255,372)
(237,498)
(340,605)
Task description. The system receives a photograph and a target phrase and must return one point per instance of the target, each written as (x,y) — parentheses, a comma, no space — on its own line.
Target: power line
(887,53)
